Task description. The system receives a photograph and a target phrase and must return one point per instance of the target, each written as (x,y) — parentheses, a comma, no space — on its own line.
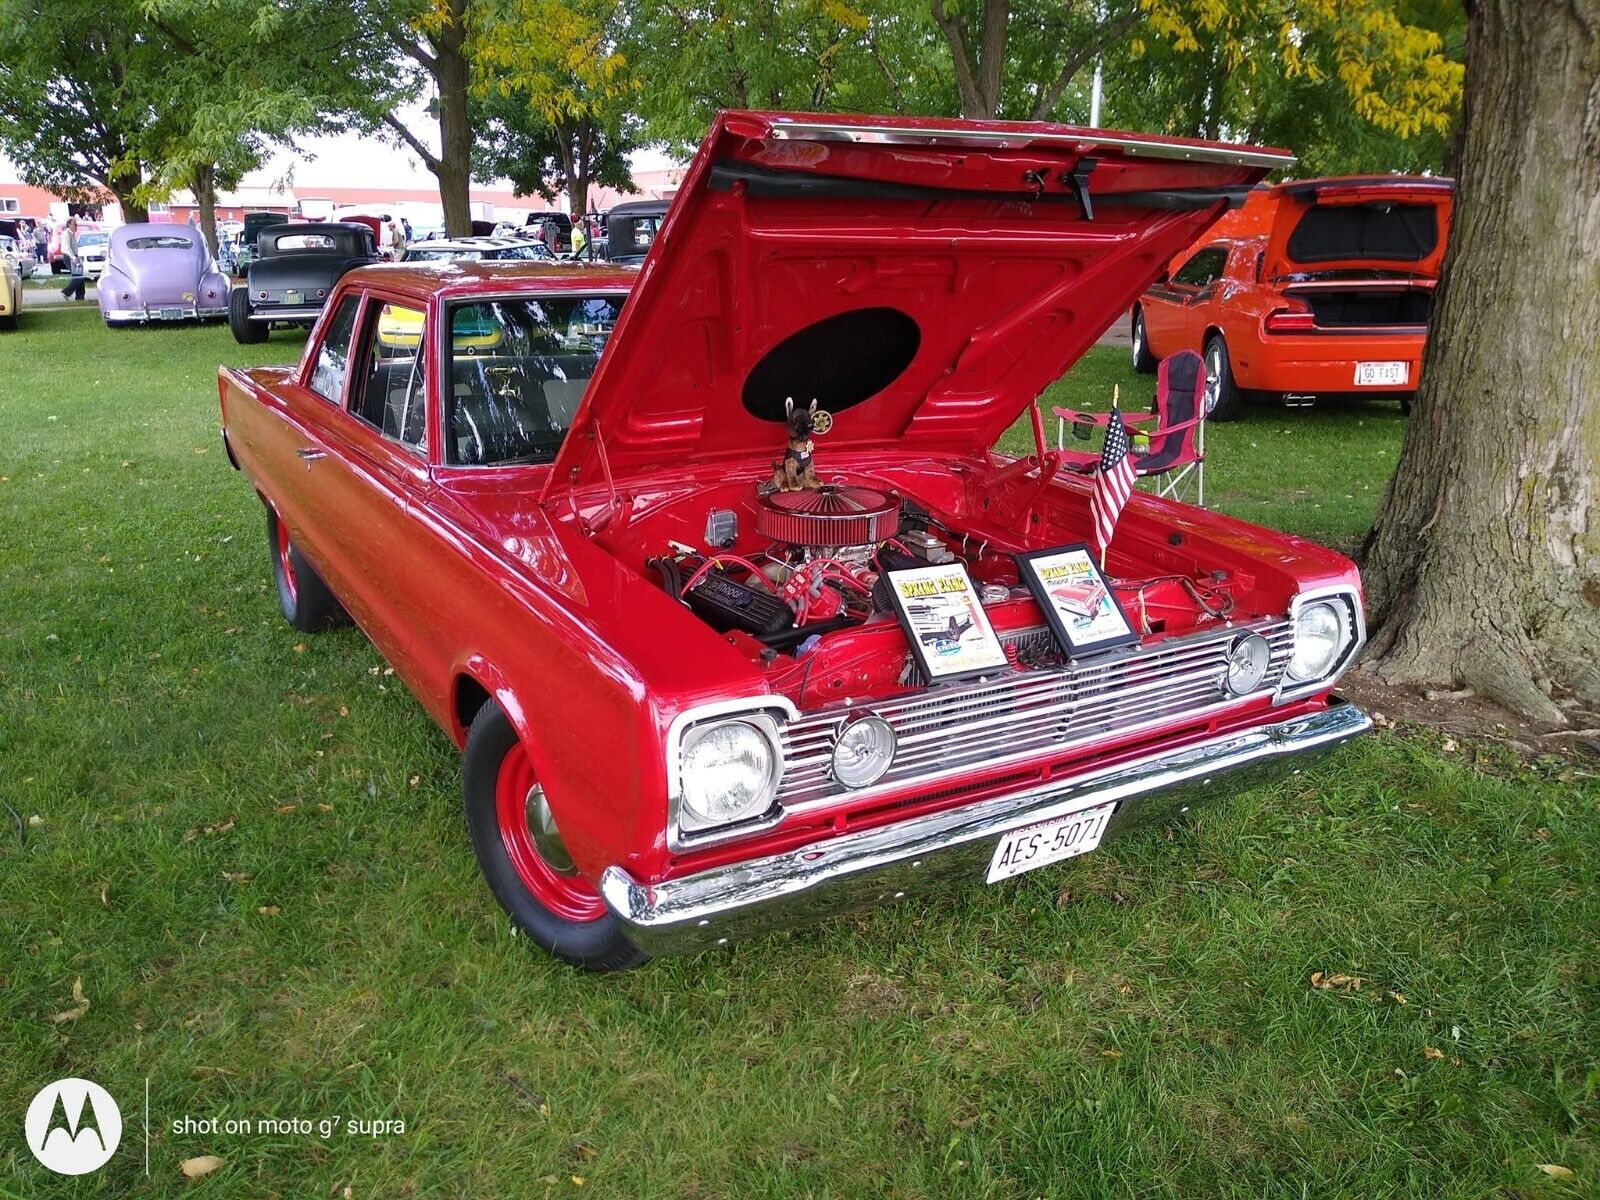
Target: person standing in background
(41,244)
(69,247)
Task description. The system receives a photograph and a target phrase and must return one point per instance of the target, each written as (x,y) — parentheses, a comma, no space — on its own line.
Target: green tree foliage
(74,96)
(553,96)
(703,55)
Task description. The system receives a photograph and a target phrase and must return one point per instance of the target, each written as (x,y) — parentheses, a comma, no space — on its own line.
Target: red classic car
(1317,287)
(688,708)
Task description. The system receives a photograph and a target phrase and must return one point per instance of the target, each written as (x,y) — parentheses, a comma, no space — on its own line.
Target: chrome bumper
(187,313)
(300,312)
(727,903)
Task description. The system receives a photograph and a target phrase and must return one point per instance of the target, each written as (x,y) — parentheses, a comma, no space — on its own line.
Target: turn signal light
(1286,320)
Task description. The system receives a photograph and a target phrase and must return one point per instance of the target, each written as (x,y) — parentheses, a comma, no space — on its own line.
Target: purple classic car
(160,273)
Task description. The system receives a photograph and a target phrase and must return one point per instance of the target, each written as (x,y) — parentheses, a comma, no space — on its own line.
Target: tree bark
(204,185)
(1482,566)
(123,185)
(453,167)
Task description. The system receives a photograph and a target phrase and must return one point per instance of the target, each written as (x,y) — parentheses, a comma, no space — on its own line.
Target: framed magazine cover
(1076,600)
(944,621)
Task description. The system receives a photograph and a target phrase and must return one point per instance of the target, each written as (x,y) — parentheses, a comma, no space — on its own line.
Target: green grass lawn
(247,844)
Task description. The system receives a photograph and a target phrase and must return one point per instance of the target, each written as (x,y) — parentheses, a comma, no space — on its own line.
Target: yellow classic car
(10,294)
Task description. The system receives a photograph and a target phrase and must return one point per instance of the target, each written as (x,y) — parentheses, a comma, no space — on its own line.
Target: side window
(333,358)
(1202,268)
(390,395)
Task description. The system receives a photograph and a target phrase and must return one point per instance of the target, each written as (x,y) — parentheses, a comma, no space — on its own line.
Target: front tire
(245,331)
(1223,400)
(1143,361)
(307,602)
(557,908)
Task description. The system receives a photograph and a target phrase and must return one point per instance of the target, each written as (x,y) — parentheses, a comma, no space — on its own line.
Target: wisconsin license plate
(1380,374)
(1049,842)
(294,298)
(173,314)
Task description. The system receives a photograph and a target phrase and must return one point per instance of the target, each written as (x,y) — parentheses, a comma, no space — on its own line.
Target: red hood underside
(955,260)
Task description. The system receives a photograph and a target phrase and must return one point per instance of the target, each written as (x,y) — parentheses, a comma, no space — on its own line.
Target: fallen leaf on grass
(324,807)
(194,1168)
(585,1152)
(1397,997)
(1555,1171)
(105,894)
(79,999)
(236,877)
(1111,1054)
(269,910)
(577,1181)
(1325,981)
(299,647)
(1432,1052)
(285,808)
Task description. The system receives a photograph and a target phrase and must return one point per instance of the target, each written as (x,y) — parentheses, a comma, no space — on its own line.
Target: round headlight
(728,773)
(863,752)
(1247,664)
(1318,637)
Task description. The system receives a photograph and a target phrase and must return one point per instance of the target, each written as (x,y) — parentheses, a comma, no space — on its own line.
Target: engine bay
(794,569)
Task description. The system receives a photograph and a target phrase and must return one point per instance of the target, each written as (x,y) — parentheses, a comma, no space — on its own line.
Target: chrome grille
(1024,714)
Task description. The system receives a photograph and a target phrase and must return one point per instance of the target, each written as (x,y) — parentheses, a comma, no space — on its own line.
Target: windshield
(92,239)
(518,370)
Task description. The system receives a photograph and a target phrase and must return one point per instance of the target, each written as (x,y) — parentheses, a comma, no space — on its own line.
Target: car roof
(636,207)
(297,228)
(456,279)
(484,242)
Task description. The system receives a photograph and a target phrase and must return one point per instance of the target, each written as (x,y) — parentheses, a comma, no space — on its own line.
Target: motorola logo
(73,1126)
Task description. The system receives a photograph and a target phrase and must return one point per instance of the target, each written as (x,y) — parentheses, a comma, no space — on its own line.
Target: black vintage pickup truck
(293,273)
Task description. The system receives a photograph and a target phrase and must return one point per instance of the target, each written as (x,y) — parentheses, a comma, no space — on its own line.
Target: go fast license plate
(1049,842)
(1380,374)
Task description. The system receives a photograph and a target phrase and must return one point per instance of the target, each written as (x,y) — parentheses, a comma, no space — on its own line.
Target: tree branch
(1106,35)
(429,159)
(413,50)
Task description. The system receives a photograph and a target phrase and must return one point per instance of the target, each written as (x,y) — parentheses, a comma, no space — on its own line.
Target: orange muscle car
(1309,288)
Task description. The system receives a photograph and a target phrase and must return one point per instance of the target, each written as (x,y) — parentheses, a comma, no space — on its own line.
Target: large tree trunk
(204,185)
(454,164)
(1483,563)
(123,185)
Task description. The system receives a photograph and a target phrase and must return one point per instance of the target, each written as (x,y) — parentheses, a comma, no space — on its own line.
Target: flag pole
(1116,396)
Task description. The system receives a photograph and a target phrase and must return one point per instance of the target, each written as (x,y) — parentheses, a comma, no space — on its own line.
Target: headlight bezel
(685,829)
(1347,603)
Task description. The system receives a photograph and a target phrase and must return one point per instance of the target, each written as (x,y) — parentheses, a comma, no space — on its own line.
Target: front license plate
(1049,842)
(173,314)
(1380,374)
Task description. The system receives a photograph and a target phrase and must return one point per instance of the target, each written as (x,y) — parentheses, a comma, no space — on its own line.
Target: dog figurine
(794,473)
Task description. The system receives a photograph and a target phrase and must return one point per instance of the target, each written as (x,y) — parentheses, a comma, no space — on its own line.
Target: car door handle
(311,453)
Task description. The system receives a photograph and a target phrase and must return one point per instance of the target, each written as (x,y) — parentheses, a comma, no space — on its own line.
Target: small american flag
(1112,484)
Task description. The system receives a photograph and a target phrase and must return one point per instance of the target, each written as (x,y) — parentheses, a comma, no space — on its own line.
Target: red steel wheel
(565,893)
(285,561)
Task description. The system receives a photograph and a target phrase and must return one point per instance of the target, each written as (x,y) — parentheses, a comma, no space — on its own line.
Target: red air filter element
(833,515)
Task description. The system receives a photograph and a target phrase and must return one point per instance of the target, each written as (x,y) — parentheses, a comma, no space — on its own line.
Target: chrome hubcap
(1213,379)
(546,838)
(1138,337)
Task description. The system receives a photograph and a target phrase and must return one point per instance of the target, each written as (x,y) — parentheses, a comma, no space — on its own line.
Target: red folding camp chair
(1174,431)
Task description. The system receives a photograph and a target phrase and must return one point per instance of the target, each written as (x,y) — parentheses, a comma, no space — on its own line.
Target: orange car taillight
(1289,320)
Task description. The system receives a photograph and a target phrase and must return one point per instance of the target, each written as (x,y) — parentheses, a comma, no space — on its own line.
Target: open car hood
(922,280)
(1380,223)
